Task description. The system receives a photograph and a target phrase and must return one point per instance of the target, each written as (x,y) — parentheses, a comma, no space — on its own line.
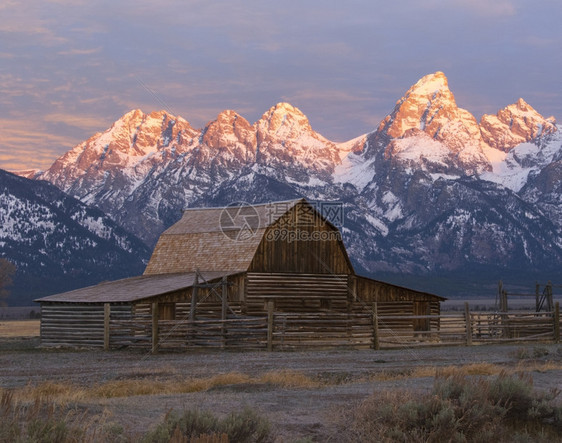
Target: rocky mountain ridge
(430,189)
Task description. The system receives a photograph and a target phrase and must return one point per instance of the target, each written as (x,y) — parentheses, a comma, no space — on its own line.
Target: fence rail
(245,333)
(287,331)
(470,328)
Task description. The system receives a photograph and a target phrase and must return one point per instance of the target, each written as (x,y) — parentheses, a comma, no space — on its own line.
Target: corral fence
(248,333)
(359,330)
(468,328)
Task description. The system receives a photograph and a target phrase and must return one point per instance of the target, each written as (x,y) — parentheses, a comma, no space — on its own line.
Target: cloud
(24,146)
(496,8)
(538,42)
(483,8)
(77,51)
(88,123)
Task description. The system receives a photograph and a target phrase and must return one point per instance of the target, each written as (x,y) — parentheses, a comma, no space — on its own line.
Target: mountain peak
(283,118)
(430,85)
(514,124)
(427,106)
(286,107)
(522,105)
(229,129)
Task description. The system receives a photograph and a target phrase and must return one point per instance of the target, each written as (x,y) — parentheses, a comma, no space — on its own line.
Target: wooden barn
(271,276)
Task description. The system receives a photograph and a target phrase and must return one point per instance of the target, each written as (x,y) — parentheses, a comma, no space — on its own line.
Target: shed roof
(132,289)
(403,288)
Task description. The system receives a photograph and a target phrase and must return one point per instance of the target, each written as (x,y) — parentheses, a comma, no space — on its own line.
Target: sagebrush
(459,409)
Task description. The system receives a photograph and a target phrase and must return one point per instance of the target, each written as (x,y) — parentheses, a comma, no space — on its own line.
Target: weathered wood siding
(79,325)
(209,301)
(296,292)
(296,246)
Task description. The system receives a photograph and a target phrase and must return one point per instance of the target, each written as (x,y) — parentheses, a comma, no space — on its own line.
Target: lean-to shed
(219,270)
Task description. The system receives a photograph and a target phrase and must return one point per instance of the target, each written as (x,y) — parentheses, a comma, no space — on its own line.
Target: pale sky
(69,68)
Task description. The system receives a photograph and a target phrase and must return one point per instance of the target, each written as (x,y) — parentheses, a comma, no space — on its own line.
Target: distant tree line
(7,271)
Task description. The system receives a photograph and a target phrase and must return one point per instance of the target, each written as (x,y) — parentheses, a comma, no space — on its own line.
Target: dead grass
(19,328)
(144,383)
(66,392)
(289,379)
(470,369)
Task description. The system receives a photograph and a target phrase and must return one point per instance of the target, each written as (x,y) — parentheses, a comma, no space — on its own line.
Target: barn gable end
(301,241)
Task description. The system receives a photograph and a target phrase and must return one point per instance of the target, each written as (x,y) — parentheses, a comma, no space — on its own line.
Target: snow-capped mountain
(431,189)
(57,242)
(428,113)
(158,164)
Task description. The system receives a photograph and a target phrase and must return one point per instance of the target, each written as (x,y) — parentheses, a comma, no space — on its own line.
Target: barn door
(421,308)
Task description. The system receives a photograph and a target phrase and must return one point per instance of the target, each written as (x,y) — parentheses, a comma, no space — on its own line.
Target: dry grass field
(285,396)
(19,328)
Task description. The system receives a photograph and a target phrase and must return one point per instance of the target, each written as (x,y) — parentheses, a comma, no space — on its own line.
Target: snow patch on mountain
(511,169)
(420,149)
(355,170)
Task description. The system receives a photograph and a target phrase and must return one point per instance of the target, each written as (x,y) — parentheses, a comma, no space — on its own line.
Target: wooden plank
(155,314)
(270,307)
(376,342)
(193,299)
(106,316)
(557,322)
(468,324)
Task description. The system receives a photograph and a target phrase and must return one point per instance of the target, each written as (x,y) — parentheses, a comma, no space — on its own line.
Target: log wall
(76,324)
(296,292)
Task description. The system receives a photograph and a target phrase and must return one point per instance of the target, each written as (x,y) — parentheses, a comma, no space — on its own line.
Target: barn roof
(216,239)
(403,288)
(132,289)
(224,219)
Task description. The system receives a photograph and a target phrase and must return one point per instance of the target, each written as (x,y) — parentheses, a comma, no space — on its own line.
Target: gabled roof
(217,239)
(132,289)
(225,218)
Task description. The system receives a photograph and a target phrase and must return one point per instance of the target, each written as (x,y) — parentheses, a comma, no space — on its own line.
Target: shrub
(39,421)
(459,408)
(192,424)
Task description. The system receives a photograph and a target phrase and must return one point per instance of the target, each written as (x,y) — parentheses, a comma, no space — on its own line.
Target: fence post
(224,307)
(155,327)
(106,316)
(468,325)
(193,304)
(376,344)
(557,322)
(270,326)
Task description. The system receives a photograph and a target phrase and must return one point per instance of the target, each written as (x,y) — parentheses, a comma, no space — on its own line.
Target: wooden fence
(321,330)
(358,330)
(467,328)
(236,333)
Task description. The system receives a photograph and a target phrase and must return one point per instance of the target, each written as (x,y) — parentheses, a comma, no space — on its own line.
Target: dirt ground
(294,412)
